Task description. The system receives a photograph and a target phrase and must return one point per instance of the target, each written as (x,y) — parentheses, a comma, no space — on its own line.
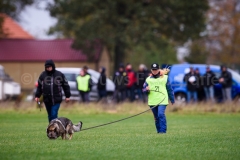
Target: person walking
(226,81)
(191,80)
(209,79)
(101,85)
(83,82)
(159,92)
(120,80)
(50,85)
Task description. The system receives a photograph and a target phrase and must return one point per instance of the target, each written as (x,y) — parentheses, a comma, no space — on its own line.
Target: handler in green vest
(84,84)
(159,92)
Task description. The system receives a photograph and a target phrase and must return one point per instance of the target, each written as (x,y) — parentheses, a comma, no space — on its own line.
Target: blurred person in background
(131,82)
(142,75)
(191,80)
(84,85)
(226,81)
(50,85)
(159,90)
(209,79)
(120,80)
(199,85)
(101,85)
(91,83)
(85,69)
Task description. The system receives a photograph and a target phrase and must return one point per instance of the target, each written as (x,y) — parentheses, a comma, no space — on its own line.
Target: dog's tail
(77,127)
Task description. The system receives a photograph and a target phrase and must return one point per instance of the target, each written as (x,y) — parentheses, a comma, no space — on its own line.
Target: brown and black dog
(61,127)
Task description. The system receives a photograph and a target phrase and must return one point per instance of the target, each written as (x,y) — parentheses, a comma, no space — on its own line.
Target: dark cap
(155,66)
(46,66)
(121,65)
(85,67)
(223,66)
(49,63)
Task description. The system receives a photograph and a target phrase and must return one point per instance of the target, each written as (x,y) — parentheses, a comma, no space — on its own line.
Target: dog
(61,127)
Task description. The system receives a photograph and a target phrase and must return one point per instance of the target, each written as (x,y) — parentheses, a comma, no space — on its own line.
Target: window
(235,75)
(70,76)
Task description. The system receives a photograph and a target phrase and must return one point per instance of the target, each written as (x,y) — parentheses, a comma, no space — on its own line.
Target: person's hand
(36,99)
(147,88)
(221,80)
(67,100)
(164,71)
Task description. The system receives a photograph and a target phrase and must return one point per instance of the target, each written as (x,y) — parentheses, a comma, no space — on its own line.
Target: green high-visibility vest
(83,83)
(158,91)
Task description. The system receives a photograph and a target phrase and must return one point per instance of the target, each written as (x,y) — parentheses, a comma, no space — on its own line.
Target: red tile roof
(13,30)
(41,50)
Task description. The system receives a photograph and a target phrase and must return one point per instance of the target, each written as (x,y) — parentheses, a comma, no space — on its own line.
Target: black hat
(49,63)
(46,66)
(155,66)
(121,65)
(85,67)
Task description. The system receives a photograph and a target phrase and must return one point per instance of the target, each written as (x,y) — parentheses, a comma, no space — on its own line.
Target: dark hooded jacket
(191,86)
(141,78)
(102,81)
(50,85)
(227,79)
(120,80)
(210,79)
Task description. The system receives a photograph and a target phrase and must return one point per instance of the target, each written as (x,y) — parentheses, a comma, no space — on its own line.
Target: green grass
(190,136)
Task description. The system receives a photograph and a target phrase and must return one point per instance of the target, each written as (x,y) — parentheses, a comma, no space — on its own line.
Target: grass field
(191,135)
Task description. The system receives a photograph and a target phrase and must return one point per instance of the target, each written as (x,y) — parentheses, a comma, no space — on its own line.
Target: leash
(126,117)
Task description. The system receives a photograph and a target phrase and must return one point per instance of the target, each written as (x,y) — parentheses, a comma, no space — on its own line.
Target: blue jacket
(168,87)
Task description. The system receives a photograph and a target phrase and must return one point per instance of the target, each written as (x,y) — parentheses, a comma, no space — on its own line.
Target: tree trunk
(118,54)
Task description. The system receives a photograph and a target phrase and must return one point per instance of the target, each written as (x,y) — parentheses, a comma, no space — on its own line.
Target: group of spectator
(129,83)
(201,87)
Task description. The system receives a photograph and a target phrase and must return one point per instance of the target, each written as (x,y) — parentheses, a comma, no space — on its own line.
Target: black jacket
(227,79)
(209,79)
(120,80)
(50,85)
(200,81)
(191,86)
(141,78)
(102,81)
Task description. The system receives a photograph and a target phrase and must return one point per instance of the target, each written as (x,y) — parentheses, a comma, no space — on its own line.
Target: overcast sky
(36,21)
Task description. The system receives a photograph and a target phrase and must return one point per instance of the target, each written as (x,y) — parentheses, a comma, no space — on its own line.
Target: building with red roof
(12,29)
(23,59)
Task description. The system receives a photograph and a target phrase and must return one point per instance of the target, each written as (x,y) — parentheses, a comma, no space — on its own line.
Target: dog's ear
(49,126)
